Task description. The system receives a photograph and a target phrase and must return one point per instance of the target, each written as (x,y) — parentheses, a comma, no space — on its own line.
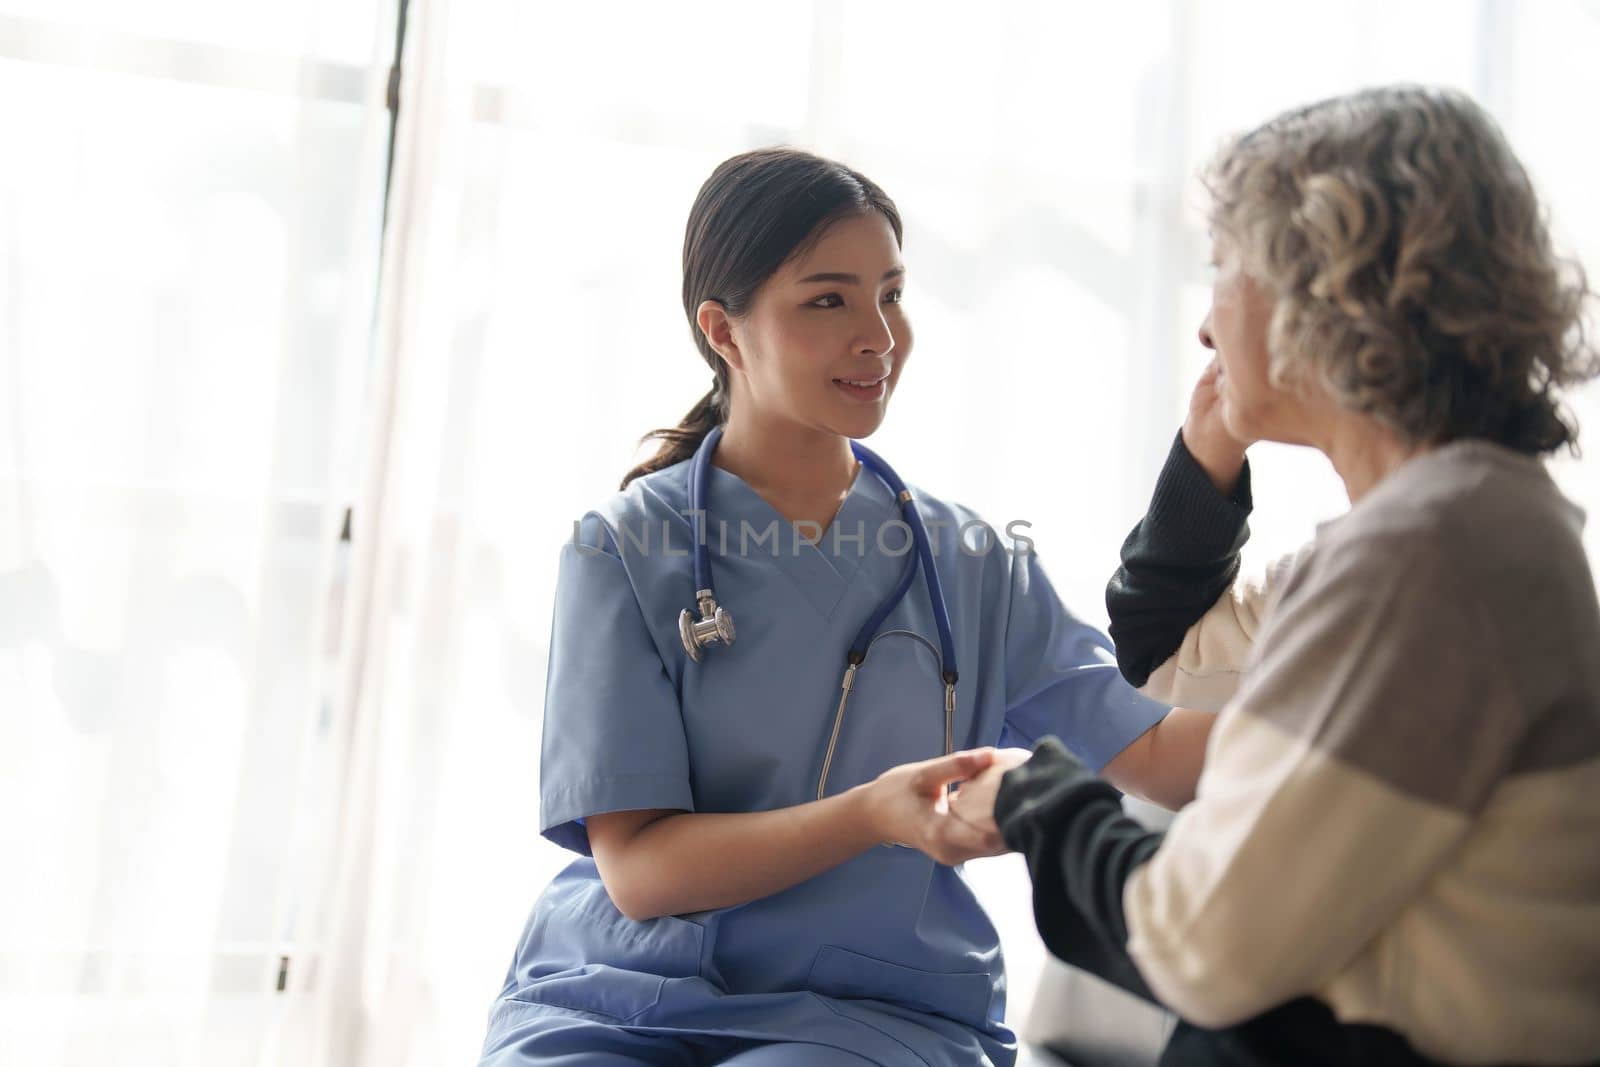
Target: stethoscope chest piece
(714,624)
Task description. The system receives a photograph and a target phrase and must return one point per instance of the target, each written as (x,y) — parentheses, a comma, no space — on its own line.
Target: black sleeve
(1081,849)
(1177,561)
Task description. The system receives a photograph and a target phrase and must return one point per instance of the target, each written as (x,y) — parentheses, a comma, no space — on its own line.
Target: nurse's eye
(827,300)
(894,296)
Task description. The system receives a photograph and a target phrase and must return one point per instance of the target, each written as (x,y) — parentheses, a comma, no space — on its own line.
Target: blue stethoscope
(716,624)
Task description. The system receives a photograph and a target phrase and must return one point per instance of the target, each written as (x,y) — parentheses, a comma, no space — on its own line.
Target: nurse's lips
(863,388)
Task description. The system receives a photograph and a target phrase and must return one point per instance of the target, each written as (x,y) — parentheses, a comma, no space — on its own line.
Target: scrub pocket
(846,975)
(582,954)
(607,992)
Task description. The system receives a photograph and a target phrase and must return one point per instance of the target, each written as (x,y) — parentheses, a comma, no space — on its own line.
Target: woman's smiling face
(826,337)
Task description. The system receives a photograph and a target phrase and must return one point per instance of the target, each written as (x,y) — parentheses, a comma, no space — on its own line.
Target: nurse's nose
(1205,333)
(875,338)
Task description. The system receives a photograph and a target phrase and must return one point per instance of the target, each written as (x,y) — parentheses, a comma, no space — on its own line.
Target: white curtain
(189,220)
(528,331)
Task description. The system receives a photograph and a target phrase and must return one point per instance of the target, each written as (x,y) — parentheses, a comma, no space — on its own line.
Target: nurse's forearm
(1163,764)
(684,862)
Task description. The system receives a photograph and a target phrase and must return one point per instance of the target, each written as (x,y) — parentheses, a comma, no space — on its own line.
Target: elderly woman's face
(1236,329)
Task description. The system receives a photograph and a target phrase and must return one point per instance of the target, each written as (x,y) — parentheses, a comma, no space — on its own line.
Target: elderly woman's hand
(1208,438)
(909,805)
(973,803)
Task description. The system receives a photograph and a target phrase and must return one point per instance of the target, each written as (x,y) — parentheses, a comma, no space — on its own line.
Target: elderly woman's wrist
(1188,516)
(1219,456)
(1030,795)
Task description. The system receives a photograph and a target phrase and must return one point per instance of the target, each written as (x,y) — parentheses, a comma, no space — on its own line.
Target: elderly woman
(1393,856)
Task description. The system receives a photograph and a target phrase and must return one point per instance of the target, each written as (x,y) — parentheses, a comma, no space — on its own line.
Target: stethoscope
(716,624)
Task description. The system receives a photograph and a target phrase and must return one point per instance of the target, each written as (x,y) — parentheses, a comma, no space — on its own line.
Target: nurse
(732,901)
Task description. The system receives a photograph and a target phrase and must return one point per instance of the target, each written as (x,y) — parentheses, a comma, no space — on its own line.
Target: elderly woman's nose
(1205,333)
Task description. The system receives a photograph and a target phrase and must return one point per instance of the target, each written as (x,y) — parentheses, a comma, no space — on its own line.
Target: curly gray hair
(1411,265)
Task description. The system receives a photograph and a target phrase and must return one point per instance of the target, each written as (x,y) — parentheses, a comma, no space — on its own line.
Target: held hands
(1207,436)
(909,804)
(973,803)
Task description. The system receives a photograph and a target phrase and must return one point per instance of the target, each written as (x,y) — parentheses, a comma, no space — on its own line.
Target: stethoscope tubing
(695,635)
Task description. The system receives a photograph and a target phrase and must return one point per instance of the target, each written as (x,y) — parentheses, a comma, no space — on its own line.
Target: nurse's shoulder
(648,520)
(636,546)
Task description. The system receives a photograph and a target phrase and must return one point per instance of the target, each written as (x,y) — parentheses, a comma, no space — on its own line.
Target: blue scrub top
(889,942)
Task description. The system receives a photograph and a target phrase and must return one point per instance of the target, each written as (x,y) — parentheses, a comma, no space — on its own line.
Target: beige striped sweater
(1400,810)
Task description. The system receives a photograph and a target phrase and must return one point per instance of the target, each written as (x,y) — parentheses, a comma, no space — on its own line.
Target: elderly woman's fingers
(951,840)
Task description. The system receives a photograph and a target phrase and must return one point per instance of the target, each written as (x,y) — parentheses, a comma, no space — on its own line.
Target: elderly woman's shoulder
(1467,512)
(1470,489)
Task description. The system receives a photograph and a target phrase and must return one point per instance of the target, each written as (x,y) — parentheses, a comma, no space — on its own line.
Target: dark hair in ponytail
(754,212)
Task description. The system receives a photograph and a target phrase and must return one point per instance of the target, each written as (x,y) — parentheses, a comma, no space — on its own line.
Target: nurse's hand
(907,805)
(1207,437)
(973,803)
